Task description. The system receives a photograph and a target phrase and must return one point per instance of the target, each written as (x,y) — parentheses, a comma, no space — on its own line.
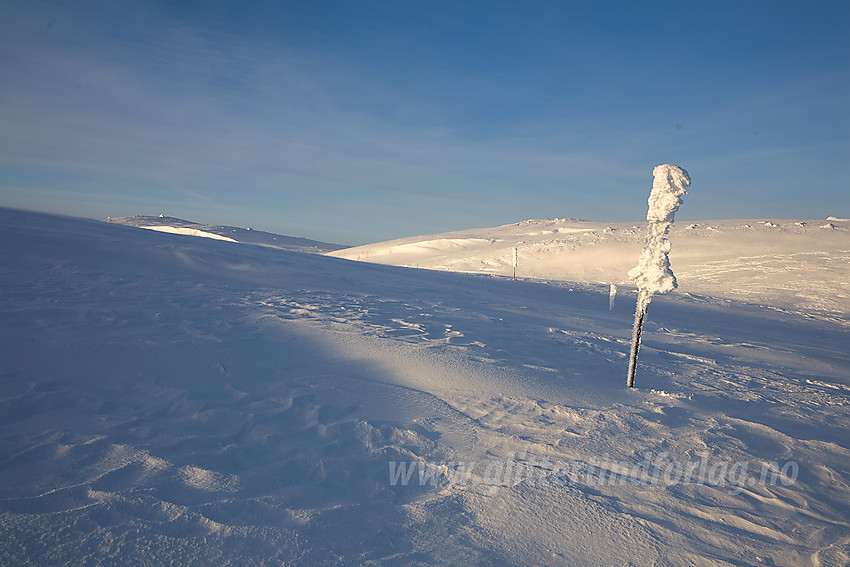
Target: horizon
(202,222)
(364,122)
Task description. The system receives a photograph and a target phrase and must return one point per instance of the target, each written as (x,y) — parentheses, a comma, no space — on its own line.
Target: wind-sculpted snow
(175,400)
(653,274)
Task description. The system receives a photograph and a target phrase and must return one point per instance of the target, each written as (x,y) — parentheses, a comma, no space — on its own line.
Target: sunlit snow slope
(175,400)
(173,225)
(803,264)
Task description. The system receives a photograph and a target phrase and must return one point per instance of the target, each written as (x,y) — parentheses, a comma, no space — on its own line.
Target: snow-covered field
(802,264)
(175,400)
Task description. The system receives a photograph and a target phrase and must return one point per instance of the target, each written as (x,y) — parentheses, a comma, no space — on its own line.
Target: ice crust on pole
(653,274)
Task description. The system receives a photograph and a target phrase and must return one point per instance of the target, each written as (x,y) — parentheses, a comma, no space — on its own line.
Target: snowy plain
(801,264)
(168,399)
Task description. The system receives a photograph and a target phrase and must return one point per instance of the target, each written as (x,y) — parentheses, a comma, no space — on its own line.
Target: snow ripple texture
(174,400)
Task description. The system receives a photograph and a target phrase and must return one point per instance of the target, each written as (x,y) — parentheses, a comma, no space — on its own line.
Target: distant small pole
(515,260)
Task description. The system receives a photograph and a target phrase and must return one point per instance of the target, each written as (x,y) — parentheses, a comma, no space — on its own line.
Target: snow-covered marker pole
(653,274)
(516,258)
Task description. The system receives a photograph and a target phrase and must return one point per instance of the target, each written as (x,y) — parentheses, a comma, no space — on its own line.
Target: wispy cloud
(120,99)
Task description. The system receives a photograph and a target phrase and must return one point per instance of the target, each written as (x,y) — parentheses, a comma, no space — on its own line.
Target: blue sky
(359,121)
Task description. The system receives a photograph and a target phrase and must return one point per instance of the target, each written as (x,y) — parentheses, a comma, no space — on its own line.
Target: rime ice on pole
(653,273)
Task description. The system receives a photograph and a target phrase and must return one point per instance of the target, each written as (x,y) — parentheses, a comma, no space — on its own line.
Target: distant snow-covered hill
(228,233)
(803,264)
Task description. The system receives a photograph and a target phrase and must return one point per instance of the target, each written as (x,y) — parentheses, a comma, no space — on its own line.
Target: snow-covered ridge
(188,232)
(790,263)
(174,225)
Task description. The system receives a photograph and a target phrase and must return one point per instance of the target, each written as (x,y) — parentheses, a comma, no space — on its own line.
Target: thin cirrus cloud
(325,133)
(272,133)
